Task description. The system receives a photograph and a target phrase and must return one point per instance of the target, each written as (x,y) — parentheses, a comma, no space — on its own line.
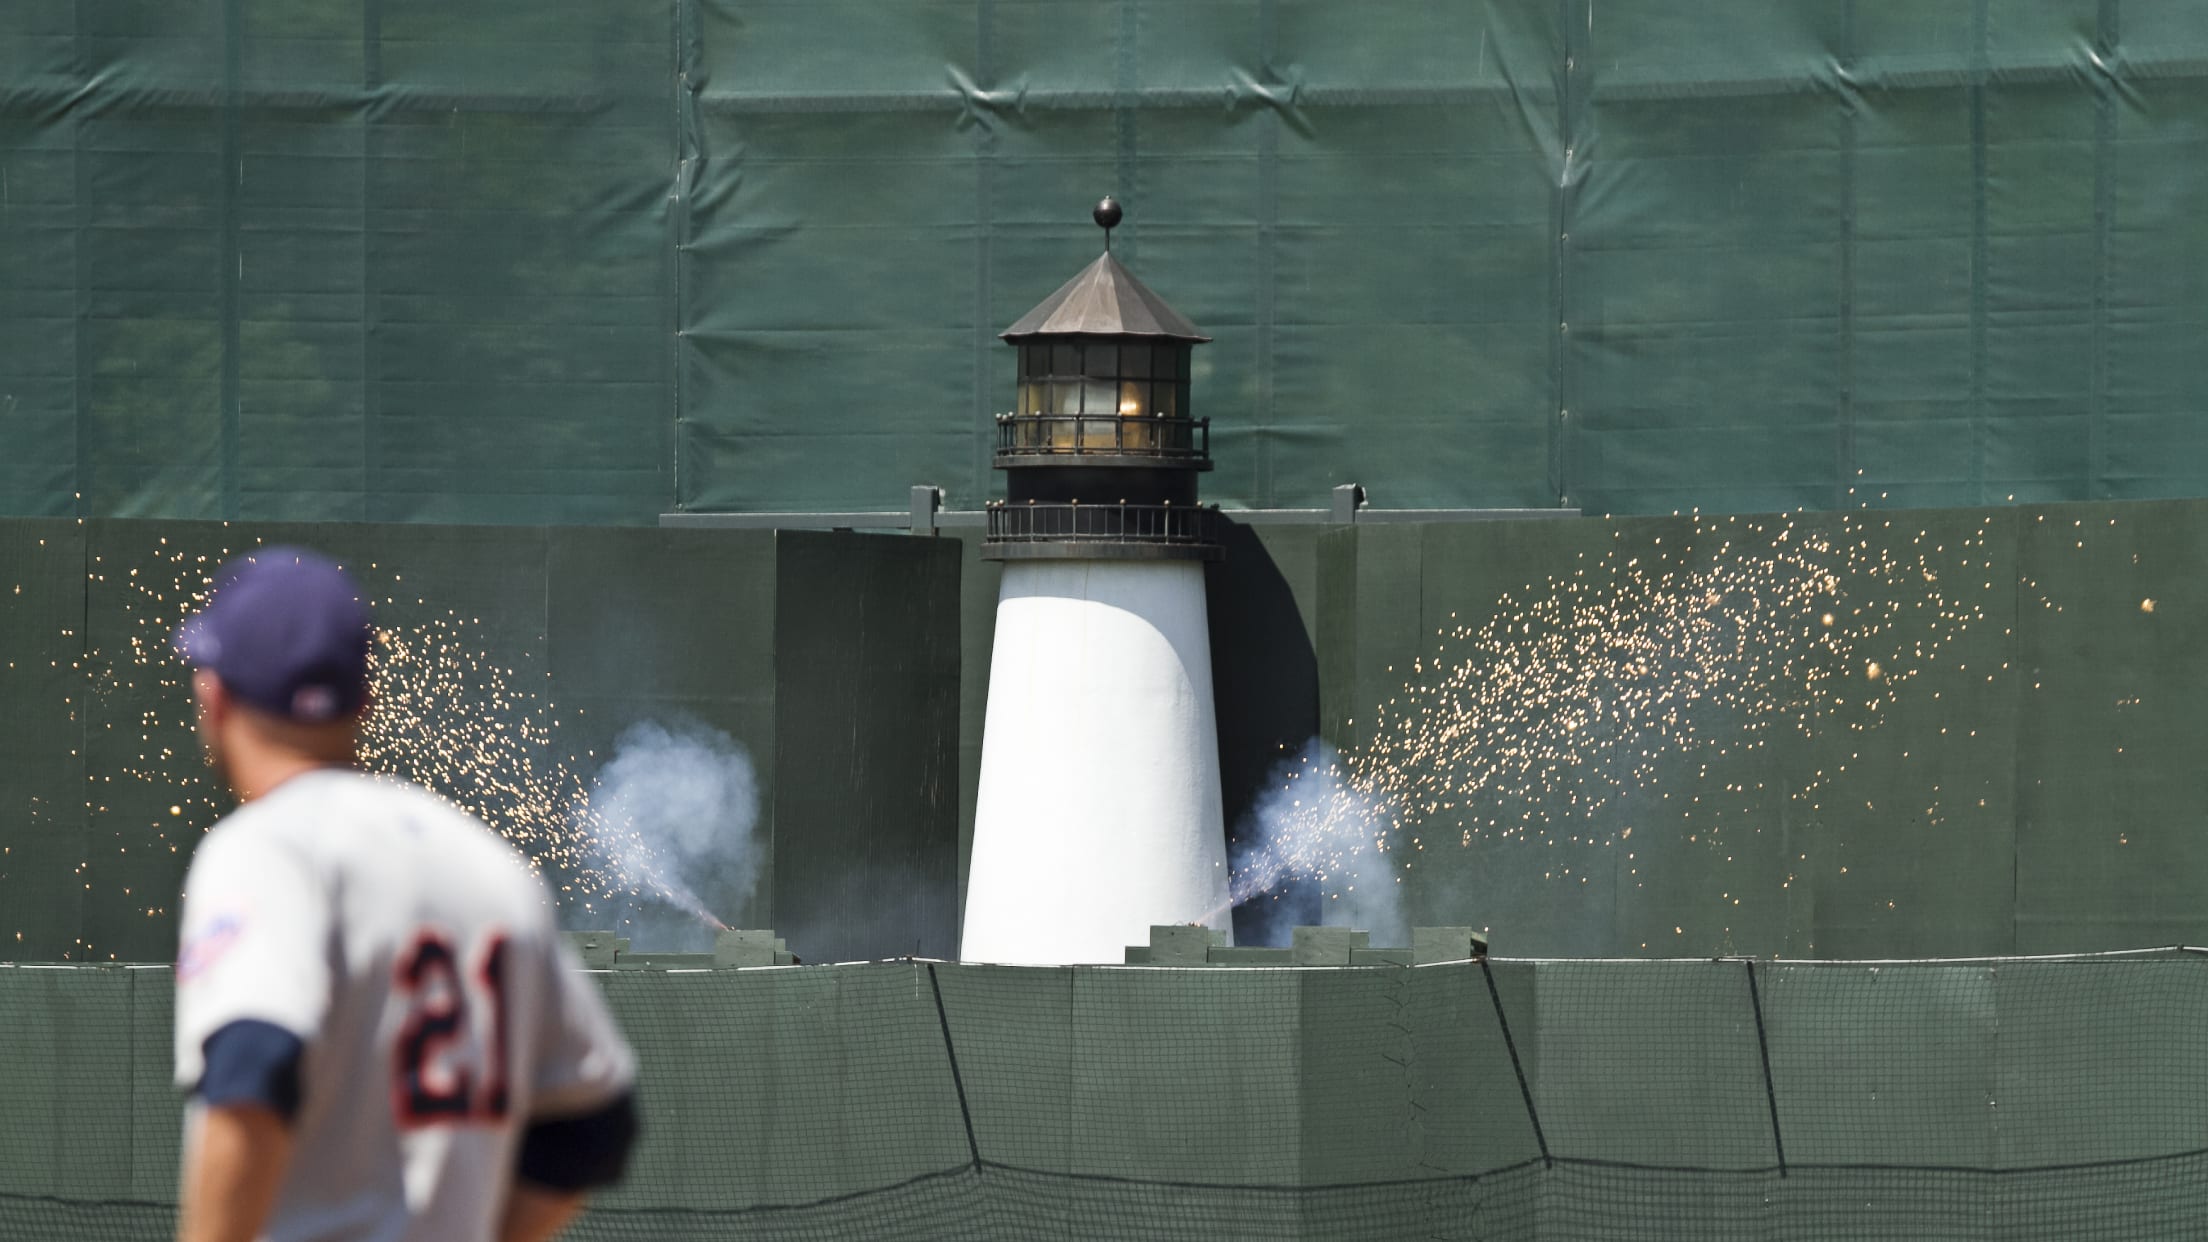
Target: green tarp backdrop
(590,260)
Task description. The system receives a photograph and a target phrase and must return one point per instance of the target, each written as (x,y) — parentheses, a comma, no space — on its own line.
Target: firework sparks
(445,714)
(1582,691)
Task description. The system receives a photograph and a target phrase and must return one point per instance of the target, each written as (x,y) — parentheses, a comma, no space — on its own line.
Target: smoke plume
(674,817)
(1313,852)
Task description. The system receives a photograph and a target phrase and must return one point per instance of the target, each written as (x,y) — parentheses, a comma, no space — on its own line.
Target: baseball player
(382,1033)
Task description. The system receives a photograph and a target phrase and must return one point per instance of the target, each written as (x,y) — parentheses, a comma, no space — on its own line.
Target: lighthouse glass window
(1103,396)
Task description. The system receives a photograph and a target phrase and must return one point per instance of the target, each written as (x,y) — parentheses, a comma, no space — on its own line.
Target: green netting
(1998,1098)
(570,261)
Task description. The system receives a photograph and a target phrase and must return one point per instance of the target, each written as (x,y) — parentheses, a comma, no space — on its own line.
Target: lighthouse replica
(1098,812)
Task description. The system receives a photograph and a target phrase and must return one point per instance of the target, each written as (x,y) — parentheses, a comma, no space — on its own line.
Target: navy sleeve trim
(252,1062)
(579,1153)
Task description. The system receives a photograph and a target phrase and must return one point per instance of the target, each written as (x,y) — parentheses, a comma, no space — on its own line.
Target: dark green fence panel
(42,645)
(865,649)
(2108,792)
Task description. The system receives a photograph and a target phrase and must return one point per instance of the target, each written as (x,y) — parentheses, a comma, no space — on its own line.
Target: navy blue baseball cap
(286,631)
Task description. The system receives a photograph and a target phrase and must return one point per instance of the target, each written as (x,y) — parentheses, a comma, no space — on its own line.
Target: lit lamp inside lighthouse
(1098,810)
(1099,393)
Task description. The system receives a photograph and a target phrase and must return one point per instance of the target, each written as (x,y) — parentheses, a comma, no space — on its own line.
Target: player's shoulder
(334,812)
(304,810)
(282,819)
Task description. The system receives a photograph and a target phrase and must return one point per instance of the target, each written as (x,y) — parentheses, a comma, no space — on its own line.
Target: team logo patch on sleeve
(204,946)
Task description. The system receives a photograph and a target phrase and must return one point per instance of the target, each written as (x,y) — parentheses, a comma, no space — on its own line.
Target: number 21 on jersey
(449,1064)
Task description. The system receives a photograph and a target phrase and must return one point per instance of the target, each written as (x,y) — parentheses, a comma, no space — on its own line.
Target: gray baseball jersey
(412,952)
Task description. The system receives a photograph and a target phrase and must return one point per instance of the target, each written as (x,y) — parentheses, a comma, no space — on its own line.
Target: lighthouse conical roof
(1105,299)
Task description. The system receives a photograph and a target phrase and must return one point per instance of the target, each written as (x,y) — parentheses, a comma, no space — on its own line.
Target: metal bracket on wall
(1348,499)
(926,503)
(927,516)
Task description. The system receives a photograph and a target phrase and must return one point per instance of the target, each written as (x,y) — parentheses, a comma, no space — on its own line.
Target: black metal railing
(1193,525)
(1103,435)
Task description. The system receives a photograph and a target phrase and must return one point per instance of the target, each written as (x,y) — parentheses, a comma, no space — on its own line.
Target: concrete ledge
(598,949)
(1183,945)
(746,947)
(664,961)
(602,950)
(1327,946)
(1226,956)
(1189,945)
(1380,957)
(1446,944)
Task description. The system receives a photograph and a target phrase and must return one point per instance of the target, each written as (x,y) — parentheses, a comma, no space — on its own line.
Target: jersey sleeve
(255,945)
(585,1064)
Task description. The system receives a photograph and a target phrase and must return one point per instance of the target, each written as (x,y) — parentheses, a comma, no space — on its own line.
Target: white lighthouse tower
(1098,813)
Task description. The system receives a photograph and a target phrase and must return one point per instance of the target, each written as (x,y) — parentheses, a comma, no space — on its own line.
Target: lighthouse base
(1098,811)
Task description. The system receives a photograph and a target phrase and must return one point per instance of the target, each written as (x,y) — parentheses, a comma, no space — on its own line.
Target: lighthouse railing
(1104,435)
(1103,523)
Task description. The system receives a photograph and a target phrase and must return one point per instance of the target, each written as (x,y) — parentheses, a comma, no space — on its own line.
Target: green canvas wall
(568,261)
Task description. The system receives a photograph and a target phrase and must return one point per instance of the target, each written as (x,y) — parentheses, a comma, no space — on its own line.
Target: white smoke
(1314,852)
(674,817)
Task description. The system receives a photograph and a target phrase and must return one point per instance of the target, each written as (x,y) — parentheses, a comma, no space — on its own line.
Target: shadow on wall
(1265,679)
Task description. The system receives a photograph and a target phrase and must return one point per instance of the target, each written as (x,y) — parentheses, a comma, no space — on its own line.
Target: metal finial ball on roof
(1104,299)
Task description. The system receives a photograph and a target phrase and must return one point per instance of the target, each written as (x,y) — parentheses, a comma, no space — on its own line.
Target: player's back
(417,958)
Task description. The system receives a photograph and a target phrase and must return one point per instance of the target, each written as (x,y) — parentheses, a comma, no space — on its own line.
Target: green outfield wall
(2025,783)
(529,652)
(1515,1101)
(2019,779)
(586,262)
(2023,777)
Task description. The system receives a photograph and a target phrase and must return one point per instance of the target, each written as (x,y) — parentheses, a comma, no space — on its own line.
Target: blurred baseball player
(383,1036)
